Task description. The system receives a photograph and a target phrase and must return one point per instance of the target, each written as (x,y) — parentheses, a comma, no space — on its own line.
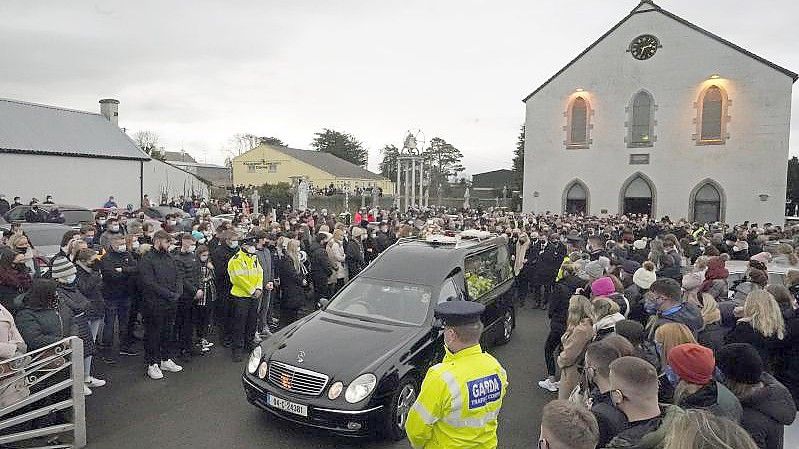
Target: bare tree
(149,142)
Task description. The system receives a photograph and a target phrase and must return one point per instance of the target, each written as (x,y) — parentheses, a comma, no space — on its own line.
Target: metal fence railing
(49,407)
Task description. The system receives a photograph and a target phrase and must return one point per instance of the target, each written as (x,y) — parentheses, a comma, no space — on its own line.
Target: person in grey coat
(265,259)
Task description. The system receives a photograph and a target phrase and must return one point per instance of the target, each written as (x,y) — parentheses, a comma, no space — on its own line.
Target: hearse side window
(484,272)
(448,290)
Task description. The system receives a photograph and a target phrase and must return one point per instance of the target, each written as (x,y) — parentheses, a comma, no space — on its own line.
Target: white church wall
(751,163)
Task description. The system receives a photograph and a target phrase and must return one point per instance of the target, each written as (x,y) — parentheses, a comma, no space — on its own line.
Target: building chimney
(110,110)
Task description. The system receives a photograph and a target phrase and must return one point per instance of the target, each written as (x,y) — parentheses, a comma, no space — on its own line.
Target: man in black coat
(611,421)
(162,288)
(319,266)
(189,268)
(118,268)
(227,247)
(4,206)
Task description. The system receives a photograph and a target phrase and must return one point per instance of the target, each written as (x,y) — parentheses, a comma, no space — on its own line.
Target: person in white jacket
(13,387)
(335,251)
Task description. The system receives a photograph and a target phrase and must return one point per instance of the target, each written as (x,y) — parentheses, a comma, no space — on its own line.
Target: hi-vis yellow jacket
(246,274)
(459,402)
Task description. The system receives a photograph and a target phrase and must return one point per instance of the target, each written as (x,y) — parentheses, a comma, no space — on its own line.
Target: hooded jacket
(189,267)
(766,412)
(716,398)
(686,313)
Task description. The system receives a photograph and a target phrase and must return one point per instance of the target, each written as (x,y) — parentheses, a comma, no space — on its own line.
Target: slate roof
(178,156)
(331,164)
(647,6)
(50,130)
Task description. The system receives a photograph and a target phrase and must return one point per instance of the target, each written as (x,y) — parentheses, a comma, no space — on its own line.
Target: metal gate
(49,385)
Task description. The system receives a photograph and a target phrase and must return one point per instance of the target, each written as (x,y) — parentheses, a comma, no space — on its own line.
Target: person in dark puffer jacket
(43,320)
(695,364)
(767,404)
(189,268)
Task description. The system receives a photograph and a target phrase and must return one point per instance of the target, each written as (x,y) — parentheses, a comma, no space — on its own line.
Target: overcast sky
(197,72)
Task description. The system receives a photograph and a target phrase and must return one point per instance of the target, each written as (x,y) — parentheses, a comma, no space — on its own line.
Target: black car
(355,366)
(69,215)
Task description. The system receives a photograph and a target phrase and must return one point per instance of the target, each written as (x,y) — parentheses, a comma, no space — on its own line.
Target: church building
(664,118)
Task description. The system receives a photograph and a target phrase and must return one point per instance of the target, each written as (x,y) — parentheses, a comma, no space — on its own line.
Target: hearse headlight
(360,388)
(335,390)
(255,359)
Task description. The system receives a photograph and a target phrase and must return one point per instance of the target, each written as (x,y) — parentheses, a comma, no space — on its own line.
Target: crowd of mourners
(652,341)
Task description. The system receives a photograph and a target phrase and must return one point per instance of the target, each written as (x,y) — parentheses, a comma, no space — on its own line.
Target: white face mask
(113,228)
(101,222)
(233,244)
(135,244)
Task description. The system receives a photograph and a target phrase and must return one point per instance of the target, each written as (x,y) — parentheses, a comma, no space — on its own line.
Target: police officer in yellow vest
(460,397)
(246,278)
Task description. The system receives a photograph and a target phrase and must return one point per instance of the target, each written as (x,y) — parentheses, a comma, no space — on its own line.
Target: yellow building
(270,164)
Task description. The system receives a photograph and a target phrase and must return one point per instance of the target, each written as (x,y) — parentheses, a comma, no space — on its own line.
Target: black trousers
(184,325)
(243,321)
(159,321)
(551,344)
(201,317)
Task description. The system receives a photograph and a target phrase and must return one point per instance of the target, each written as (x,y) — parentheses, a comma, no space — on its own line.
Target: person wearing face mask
(202,308)
(247,284)
(113,229)
(189,268)
(119,270)
(65,274)
(438,418)
(634,391)
(665,301)
(90,283)
(162,288)
(598,357)
(227,247)
(15,277)
(21,244)
(264,255)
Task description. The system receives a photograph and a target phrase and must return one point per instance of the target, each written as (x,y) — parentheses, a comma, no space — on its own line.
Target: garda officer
(246,278)
(460,397)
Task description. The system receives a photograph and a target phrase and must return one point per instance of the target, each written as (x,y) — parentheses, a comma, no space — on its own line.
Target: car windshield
(77,216)
(378,300)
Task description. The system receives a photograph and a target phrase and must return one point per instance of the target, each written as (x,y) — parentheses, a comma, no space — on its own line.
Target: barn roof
(49,130)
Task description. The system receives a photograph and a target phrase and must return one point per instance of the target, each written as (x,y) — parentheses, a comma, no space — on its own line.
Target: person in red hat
(695,364)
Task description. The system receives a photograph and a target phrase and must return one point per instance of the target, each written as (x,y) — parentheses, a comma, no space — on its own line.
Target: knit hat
(630,266)
(63,268)
(594,270)
(693,363)
(716,269)
(692,281)
(603,287)
(640,243)
(644,278)
(763,257)
(740,362)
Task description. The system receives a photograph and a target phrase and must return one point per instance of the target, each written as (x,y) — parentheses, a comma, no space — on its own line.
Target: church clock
(644,46)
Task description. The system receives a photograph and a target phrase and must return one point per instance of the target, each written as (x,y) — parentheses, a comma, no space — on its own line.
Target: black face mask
(21,250)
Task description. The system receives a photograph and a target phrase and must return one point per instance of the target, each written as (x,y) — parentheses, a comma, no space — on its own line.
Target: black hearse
(354,367)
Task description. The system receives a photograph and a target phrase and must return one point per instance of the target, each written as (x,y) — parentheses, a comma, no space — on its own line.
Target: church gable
(646,20)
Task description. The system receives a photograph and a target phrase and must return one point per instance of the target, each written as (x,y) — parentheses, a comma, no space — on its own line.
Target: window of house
(272,167)
(641,123)
(712,116)
(251,168)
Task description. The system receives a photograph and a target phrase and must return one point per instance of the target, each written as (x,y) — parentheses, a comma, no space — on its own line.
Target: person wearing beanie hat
(645,276)
(715,283)
(594,270)
(65,274)
(767,404)
(762,257)
(694,365)
(603,287)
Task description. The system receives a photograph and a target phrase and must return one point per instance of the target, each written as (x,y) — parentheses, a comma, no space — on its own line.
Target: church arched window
(641,122)
(578,127)
(712,116)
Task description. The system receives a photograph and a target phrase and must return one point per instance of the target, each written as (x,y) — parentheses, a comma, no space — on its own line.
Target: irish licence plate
(285,405)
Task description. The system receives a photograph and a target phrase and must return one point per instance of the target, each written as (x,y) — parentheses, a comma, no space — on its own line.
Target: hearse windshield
(383,301)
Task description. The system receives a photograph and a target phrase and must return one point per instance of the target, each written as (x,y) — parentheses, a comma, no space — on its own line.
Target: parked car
(69,215)
(311,373)
(737,269)
(159,212)
(45,238)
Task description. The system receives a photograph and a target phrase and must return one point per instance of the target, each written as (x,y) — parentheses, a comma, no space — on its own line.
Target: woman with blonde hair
(606,315)
(761,325)
(579,332)
(701,429)
(668,337)
(292,282)
(336,254)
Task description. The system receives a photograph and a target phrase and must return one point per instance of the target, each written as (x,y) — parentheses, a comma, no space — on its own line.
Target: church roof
(647,6)
(41,129)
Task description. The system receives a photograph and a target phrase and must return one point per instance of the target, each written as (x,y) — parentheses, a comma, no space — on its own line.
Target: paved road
(204,406)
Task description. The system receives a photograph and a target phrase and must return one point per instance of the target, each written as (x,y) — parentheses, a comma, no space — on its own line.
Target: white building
(662,117)
(80,158)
